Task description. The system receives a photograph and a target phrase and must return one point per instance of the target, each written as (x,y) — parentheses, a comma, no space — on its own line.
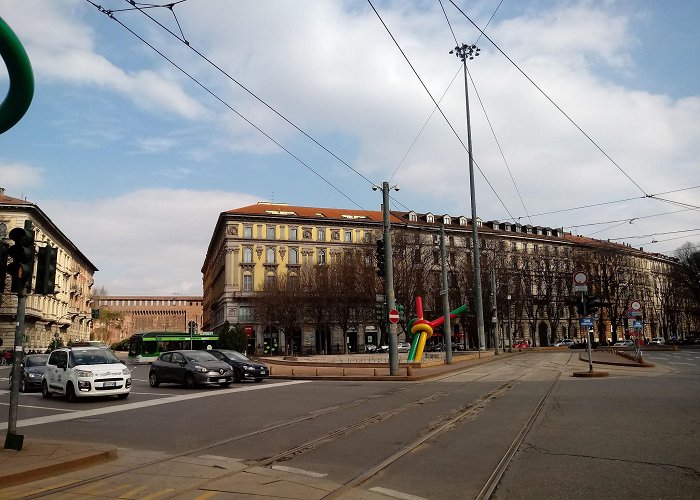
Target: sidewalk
(40,459)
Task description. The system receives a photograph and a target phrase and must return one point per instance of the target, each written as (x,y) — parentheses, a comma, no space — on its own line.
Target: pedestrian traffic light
(22,253)
(4,249)
(46,270)
(379,313)
(381,270)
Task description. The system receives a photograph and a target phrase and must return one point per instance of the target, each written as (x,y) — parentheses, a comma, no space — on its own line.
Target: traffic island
(590,374)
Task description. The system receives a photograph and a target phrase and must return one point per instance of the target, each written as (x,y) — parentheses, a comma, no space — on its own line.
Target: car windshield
(36,360)
(235,355)
(93,357)
(199,356)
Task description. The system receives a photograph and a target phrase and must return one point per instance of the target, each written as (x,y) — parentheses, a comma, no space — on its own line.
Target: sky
(135,141)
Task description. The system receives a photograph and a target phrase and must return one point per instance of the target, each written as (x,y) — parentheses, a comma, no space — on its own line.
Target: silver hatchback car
(190,368)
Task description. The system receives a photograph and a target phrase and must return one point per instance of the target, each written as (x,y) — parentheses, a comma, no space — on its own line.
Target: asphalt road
(630,435)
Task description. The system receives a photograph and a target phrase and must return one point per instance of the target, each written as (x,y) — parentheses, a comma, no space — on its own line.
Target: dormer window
(430,218)
(412,217)
(447,220)
(462,221)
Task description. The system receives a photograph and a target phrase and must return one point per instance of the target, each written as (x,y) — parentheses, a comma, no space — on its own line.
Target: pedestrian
(7,357)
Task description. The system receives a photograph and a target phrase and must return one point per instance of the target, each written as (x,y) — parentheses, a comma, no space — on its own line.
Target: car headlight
(125,371)
(248,367)
(34,375)
(201,369)
(83,373)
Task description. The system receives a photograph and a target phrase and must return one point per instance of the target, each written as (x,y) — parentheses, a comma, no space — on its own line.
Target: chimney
(2,191)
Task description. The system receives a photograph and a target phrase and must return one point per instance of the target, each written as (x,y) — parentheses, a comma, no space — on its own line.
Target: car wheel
(225,384)
(45,390)
(70,393)
(153,379)
(236,376)
(258,380)
(122,396)
(189,381)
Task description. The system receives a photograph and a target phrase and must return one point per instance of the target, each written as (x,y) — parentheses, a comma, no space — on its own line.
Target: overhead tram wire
(551,100)
(481,102)
(656,234)
(628,220)
(438,107)
(206,89)
(254,95)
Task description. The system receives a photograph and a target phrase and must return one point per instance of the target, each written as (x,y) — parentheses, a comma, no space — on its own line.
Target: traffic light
(380,259)
(4,248)
(579,308)
(402,313)
(592,305)
(22,253)
(379,313)
(46,270)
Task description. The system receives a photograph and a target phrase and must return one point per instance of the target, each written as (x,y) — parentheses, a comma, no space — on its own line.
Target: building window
(429,218)
(245,314)
(270,256)
(412,216)
(293,234)
(293,256)
(321,235)
(247,283)
(436,257)
(270,278)
(270,232)
(247,255)
(347,236)
(322,257)
(248,232)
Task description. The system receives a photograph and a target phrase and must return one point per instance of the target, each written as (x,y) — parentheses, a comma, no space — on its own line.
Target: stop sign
(393,316)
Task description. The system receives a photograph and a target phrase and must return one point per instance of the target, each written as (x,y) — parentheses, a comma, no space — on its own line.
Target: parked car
(564,343)
(190,368)
(521,344)
(244,368)
(369,348)
(624,343)
(31,372)
(657,341)
(79,372)
(404,347)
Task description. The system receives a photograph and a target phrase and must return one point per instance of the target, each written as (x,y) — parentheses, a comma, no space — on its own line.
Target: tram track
(464,412)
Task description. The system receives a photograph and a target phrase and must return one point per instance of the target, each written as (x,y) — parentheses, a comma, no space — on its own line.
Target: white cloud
(150,241)
(18,178)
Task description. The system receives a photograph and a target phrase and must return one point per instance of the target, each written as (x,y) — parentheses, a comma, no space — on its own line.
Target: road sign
(637,324)
(635,305)
(585,322)
(580,278)
(393,316)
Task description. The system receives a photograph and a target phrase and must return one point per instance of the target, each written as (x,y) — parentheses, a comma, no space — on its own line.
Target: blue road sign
(585,322)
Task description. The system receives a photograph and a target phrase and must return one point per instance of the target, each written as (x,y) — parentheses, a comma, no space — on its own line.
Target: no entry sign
(393,316)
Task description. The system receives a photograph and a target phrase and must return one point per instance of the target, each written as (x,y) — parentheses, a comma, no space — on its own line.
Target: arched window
(293,256)
(270,256)
(321,257)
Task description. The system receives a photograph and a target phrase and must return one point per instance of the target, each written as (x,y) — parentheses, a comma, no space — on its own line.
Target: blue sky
(134,161)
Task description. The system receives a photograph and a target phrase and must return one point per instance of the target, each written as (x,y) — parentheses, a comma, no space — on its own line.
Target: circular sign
(636,305)
(393,316)
(580,278)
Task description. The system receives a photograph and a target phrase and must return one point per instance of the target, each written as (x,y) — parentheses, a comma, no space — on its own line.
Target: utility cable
(550,100)
(656,234)
(206,89)
(438,107)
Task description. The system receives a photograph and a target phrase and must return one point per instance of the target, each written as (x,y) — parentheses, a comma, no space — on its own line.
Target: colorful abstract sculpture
(422,329)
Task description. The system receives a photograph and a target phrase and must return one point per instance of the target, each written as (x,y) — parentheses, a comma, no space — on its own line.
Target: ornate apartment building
(67,313)
(120,316)
(534,267)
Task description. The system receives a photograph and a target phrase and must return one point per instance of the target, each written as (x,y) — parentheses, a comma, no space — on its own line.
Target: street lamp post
(465,52)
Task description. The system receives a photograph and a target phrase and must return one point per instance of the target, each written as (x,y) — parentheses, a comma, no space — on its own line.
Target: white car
(564,343)
(657,341)
(623,343)
(78,372)
(403,347)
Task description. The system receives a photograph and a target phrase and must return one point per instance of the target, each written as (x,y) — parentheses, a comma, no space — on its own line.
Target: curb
(92,455)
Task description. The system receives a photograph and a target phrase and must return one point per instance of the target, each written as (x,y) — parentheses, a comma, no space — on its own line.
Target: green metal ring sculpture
(19,69)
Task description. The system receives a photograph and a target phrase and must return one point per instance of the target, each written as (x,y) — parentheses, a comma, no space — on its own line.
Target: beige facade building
(120,316)
(67,313)
(535,268)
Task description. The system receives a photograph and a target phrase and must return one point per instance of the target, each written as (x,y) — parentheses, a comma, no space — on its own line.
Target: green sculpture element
(19,69)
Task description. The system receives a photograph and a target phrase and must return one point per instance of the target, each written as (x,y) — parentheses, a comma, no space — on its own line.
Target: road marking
(680,363)
(301,472)
(144,404)
(39,407)
(395,494)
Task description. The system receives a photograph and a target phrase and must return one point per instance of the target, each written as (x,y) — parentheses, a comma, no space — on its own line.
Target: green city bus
(146,347)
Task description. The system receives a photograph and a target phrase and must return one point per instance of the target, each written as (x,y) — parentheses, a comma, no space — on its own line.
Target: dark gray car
(31,371)
(244,368)
(190,368)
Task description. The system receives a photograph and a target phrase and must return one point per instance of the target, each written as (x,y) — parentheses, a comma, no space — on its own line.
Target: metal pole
(14,441)
(588,335)
(447,329)
(389,283)
(494,307)
(510,329)
(464,52)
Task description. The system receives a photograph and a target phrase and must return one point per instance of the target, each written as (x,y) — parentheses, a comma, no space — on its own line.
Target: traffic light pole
(447,328)
(14,441)
(588,333)
(389,282)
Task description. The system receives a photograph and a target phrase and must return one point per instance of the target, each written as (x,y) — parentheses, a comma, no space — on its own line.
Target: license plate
(263,372)
(109,384)
(222,380)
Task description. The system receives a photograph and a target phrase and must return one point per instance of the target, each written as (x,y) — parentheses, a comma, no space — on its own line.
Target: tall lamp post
(465,52)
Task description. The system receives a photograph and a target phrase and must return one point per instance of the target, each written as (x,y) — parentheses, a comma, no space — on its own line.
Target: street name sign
(585,322)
